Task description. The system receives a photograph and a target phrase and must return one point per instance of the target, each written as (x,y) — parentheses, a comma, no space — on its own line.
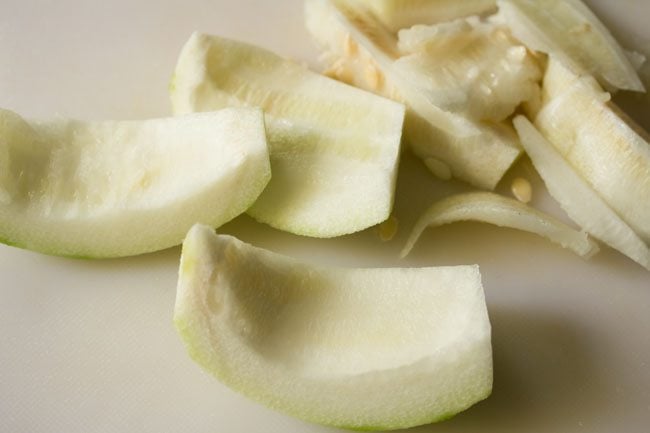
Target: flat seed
(522,190)
(373,77)
(388,229)
(330,72)
(438,168)
(349,46)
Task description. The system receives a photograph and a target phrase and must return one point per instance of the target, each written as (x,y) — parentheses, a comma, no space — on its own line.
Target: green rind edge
(184,328)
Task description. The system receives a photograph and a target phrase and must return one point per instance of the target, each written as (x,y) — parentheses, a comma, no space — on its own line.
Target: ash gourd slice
(569,31)
(401,14)
(113,189)
(503,212)
(470,66)
(581,203)
(365,349)
(452,144)
(604,146)
(334,149)
(347,31)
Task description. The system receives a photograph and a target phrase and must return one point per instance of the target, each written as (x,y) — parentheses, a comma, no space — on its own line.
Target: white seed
(344,75)
(373,77)
(604,97)
(522,190)
(516,53)
(330,72)
(438,168)
(335,68)
(349,46)
(388,229)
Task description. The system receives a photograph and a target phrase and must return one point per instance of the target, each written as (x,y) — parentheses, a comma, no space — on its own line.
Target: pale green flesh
(354,348)
(478,153)
(334,149)
(593,137)
(569,31)
(112,189)
(503,212)
(582,204)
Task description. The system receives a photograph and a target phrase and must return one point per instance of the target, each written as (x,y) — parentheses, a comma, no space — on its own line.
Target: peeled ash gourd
(454,143)
(581,203)
(569,31)
(603,146)
(114,189)
(290,335)
(334,149)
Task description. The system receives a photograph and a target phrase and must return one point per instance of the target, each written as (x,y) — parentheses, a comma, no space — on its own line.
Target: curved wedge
(571,32)
(504,212)
(608,150)
(577,198)
(369,349)
(334,149)
(112,189)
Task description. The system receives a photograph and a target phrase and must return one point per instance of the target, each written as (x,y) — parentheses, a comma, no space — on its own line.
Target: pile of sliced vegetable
(467,86)
(468,76)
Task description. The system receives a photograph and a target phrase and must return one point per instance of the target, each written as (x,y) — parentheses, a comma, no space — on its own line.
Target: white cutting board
(89,346)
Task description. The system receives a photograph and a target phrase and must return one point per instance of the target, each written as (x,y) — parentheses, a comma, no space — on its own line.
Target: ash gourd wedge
(401,14)
(112,189)
(334,148)
(605,147)
(470,66)
(569,31)
(290,335)
(365,53)
(347,29)
(503,212)
(581,203)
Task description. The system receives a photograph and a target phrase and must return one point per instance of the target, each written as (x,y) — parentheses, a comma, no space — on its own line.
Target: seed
(438,168)
(344,75)
(330,72)
(604,97)
(373,77)
(349,46)
(340,71)
(388,229)
(335,68)
(516,53)
(522,190)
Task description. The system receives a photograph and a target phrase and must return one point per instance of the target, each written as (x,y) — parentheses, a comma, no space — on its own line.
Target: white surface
(90,347)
